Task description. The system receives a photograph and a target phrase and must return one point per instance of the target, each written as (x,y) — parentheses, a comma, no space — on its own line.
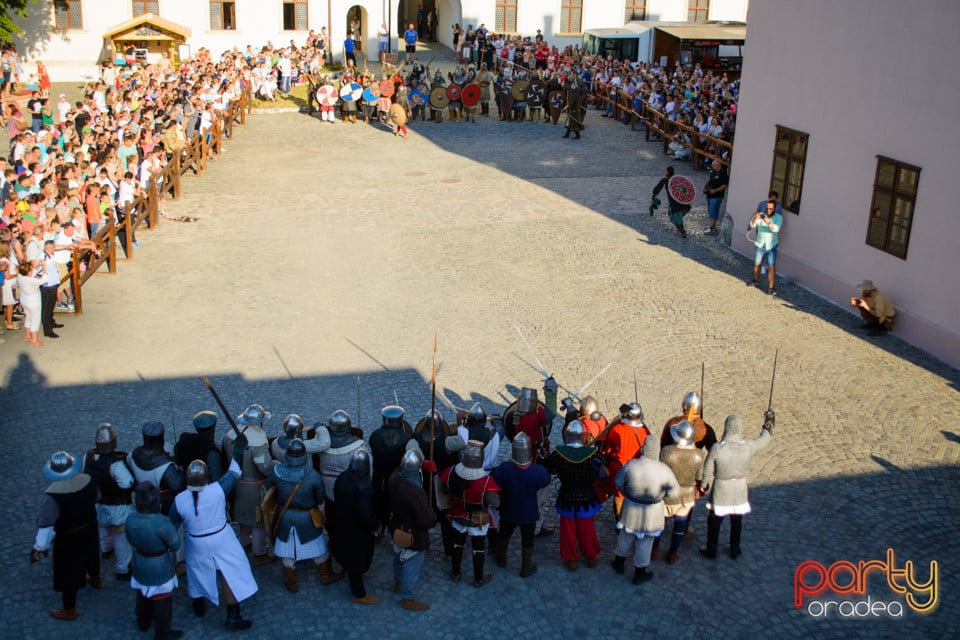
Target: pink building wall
(863,78)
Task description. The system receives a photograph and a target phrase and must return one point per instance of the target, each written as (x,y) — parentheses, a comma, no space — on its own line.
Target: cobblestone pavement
(327,253)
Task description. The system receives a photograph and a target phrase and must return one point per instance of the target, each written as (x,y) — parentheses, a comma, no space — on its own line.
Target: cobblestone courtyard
(325,253)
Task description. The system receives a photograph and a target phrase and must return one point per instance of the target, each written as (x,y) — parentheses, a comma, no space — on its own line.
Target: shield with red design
(386,88)
(681,189)
(454,91)
(327,95)
(471,95)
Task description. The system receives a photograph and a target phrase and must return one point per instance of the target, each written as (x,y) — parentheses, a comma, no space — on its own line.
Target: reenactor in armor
(411,513)
(153,537)
(212,548)
(255,463)
(344,442)
(458,77)
(436,114)
(352,542)
(623,443)
(705,436)
(473,425)
(108,468)
(521,480)
(590,415)
(578,465)
(298,533)
(201,445)
(686,462)
(151,462)
(387,446)
(646,483)
(472,494)
(576,111)
(293,427)
(447,445)
(67,521)
(485,79)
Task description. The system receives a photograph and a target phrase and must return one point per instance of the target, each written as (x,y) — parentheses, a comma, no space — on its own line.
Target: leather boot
(713,535)
(235,619)
(414,605)
(567,134)
(655,549)
(367,599)
(162,618)
(571,565)
(617,564)
(501,553)
(641,575)
(671,557)
(456,559)
(199,607)
(527,566)
(63,614)
(576,135)
(327,574)
(290,579)
(479,577)
(736,528)
(144,612)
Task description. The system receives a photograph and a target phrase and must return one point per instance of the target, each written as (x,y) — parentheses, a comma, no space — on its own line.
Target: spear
(702,370)
(636,393)
(358,400)
(433,407)
(223,407)
(773,378)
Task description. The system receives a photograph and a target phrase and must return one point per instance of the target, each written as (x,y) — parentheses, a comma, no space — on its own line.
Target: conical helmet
(106,439)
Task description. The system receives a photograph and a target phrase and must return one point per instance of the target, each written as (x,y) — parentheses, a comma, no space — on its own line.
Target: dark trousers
(48,302)
(713,530)
(526,533)
(355,578)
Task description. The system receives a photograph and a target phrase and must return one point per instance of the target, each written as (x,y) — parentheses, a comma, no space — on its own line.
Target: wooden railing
(657,126)
(145,208)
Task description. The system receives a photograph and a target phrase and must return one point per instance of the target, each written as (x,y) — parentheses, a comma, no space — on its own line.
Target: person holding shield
(677,209)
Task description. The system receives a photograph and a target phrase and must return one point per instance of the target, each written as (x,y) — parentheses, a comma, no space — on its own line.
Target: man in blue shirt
(348,50)
(410,36)
(767,225)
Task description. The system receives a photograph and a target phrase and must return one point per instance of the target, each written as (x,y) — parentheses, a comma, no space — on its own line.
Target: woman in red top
(44,79)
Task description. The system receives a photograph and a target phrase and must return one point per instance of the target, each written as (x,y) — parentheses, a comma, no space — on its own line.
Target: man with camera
(767,225)
(874,307)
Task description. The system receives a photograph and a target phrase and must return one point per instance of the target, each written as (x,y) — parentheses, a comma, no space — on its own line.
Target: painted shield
(682,190)
(369,95)
(387,88)
(471,95)
(327,95)
(557,101)
(398,115)
(454,91)
(351,92)
(438,98)
(537,93)
(519,90)
(417,96)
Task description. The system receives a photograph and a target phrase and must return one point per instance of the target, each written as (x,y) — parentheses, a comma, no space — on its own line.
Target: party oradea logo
(814,584)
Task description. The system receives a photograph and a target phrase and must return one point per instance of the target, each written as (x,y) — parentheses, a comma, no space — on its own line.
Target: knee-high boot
(479,577)
(736,528)
(713,535)
(456,559)
(163,618)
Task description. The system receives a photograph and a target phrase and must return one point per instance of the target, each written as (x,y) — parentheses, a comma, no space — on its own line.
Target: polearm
(433,408)
(173,415)
(358,399)
(702,370)
(543,370)
(773,378)
(223,407)
(636,393)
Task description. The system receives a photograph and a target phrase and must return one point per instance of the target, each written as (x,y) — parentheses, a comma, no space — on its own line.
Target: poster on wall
(183,52)
(663,61)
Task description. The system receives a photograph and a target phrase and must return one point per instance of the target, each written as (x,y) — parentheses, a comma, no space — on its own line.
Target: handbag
(403,537)
(318,518)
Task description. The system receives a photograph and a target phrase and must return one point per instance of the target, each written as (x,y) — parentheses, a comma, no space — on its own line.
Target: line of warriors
(322,492)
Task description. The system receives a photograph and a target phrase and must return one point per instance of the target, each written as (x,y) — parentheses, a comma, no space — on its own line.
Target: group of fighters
(519,94)
(324,492)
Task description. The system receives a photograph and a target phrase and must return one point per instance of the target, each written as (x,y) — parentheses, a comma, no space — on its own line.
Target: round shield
(454,91)
(438,98)
(557,101)
(471,95)
(519,90)
(386,88)
(508,420)
(417,96)
(369,95)
(537,93)
(351,92)
(398,114)
(681,189)
(327,95)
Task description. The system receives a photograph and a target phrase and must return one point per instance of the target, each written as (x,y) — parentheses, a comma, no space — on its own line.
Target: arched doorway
(356,22)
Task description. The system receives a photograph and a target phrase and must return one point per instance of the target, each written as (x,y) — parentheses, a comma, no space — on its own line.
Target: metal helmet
(590,408)
(146,497)
(683,433)
(253,415)
(106,439)
(296,453)
(473,455)
(198,475)
(392,416)
(631,414)
(691,404)
(293,426)
(339,423)
(527,401)
(360,461)
(62,466)
(204,420)
(574,433)
(522,450)
(410,462)
(477,416)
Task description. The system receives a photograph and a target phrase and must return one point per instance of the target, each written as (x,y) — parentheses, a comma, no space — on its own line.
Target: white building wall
(728,10)
(666,11)
(864,82)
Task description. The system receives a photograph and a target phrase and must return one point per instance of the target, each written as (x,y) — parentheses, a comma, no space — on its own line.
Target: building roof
(145,21)
(704,31)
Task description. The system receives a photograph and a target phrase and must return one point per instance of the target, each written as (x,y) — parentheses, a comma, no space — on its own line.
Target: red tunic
(623,444)
(470,499)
